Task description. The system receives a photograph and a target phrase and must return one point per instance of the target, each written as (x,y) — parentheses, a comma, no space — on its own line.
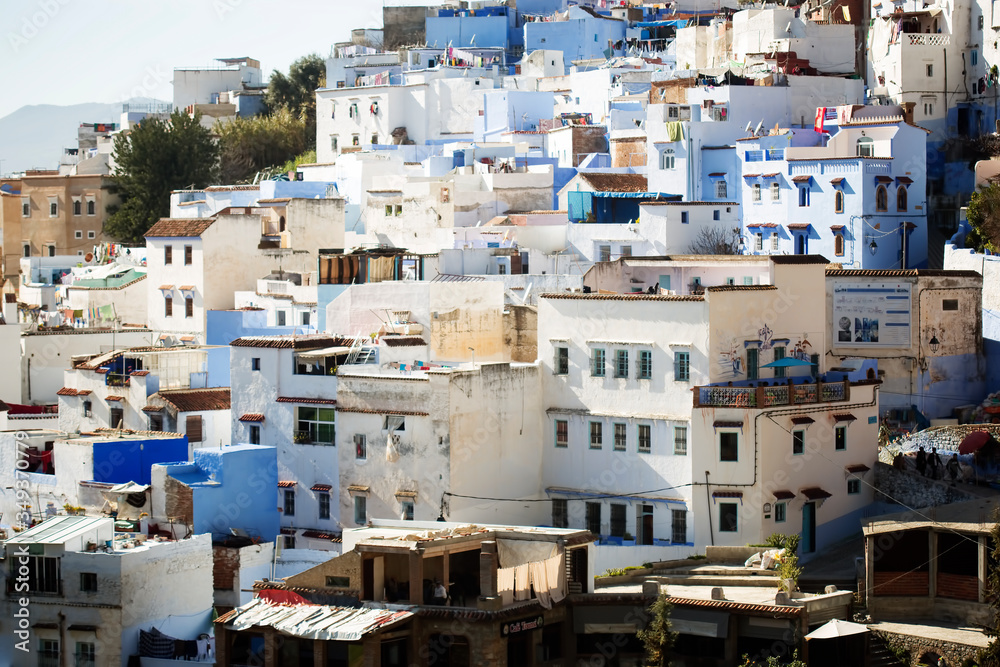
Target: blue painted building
(585,35)
(231,487)
(225,326)
(512,110)
(129,457)
(486,26)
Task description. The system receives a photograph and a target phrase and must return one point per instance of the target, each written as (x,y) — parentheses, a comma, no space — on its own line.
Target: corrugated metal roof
(313,621)
(59,529)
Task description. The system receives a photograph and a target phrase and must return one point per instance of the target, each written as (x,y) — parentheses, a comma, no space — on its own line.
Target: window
(645,439)
(187,255)
(838,245)
(680,440)
(729,446)
(560,513)
(88,409)
(594,518)
(388,210)
(597,362)
(779,512)
(853,486)
(562,433)
(374,139)
(748,280)
(77,207)
(779,353)
(85,654)
(838,201)
(188,307)
(48,653)
(840,438)
(626,251)
(53,207)
(50,250)
(803,196)
(316,425)
(901,198)
(645,364)
(334,143)
(78,234)
(755,188)
(562,361)
(254,434)
(289,508)
(25,207)
(929,67)
(720,189)
(324,505)
(684,217)
(928,108)
(865,147)
(751,363)
(398,210)
(168,254)
(43,574)
(775,240)
(91,207)
(281,316)
(338,582)
(406,510)
(716,215)
(289,541)
(667,159)
(168,306)
(192,428)
(445,195)
(678,526)
(881,198)
(758,241)
(604,253)
(305,318)
(360,446)
(156,422)
(621,437)
(728,513)
(682,366)
(596,435)
(798,442)
(617,519)
(775,191)
(255,363)
(91,234)
(88,582)
(949,304)
(621,363)
(27,250)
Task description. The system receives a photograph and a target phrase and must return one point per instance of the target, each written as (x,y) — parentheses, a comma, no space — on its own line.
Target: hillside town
(592,332)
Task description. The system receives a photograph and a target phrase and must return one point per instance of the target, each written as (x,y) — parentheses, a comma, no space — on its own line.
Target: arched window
(866,147)
(838,245)
(881,199)
(281,224)
(838,201)
(901,198)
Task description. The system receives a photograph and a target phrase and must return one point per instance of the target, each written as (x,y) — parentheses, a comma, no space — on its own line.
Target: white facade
(203,85)
(828,47)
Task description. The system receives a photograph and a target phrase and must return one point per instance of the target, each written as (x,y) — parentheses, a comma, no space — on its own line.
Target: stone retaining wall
(903,487)
(954,654)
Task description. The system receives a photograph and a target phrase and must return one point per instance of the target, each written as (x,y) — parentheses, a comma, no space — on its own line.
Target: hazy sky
(72,51)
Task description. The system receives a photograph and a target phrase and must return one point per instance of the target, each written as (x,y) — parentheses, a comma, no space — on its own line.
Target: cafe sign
(524,625)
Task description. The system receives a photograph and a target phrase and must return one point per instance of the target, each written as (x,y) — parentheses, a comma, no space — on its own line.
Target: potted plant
(628,540)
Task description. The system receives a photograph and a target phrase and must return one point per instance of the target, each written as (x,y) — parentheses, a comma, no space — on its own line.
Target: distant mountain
(34,136)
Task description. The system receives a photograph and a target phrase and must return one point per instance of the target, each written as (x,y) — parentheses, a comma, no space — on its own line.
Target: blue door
(808,528)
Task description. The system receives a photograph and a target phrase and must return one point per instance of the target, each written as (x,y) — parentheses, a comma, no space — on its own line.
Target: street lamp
(934,344)
(873,247)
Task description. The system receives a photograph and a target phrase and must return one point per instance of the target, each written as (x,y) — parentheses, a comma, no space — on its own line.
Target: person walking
(922,462)
(953,468)
(933,463)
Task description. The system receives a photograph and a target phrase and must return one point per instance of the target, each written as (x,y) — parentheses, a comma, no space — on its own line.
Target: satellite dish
(788,28)
(756,130)
(747,130)
(89,257)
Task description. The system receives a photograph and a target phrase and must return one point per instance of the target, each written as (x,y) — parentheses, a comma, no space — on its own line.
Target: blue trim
(604,496)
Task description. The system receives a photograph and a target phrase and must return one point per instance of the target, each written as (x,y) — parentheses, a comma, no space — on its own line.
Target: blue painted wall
(324,295)
(299,189)
(583,36)
(130,460)
(458,31)
(225,326)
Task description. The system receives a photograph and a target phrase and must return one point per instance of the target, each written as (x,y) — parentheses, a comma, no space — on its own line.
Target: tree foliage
(716,241)
(296,92)
(990,656)
(983,214)
(657,637)
(249,144)
(154,159)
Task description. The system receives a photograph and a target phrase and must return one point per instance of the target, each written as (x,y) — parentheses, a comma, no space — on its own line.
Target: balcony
(765,395)
(925,39)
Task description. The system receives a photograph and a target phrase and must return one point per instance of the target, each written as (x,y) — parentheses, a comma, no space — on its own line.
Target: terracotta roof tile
(741,288)
(317,401)
(114,398)
(858,468)
(140,373)
(899,273)
(369,411)
(183,227)
(196,400)
(783,495)
(403,341)
(307,342)
(252,417)
(320,487)
(799,225)
(285,484)
(616,182)
(66,391)
(622,297)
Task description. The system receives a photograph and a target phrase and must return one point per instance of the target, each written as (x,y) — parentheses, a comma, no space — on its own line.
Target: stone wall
(954,654)
(909,489)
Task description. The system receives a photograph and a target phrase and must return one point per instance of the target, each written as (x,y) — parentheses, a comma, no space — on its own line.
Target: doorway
(809,528)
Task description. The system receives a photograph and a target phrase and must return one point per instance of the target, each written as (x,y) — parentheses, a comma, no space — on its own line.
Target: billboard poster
(871,314)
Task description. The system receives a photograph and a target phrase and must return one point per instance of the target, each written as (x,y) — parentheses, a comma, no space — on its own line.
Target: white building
(827,47)
(90,603)
(203,85)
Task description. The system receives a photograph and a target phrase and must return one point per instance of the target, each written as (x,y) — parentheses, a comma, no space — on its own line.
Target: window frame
(592,517)
(621,363)
(309,416)
(755,192)
(596,430)
(168,255)
(323,505)
(721,189)
(682,366)
(644,438)
(733,510)
(724,445)
(804,196)
(840,438)
(88,582)
(780,512)
(838,245)
(644,363)
(775,191)
(902,199)
(561,361)
(560,513)
(680,431)
(798,442)
(775,241)
(881,198)
(620,430)
(676,525)
(564,442)
(360,447)
(598,362)
(360,510)
(838,201)
(254,434)
(168,306)
(668,159)
(853,486)
(288,501)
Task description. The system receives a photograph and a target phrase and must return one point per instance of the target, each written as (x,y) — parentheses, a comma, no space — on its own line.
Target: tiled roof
(67,391)
(307,342)
(727,494)
(104,430)
(799,259)
(801,179)
(905,180)
(317,401)
(140,373)
(836,228)
(783,495)
(858,468)
(816,493)
(183,227)
(622,297)
(232,188)
(403,341)
(899,273)
(616,182)
(286,484)
(727,424)
(320,487)
(321,535)
(844,417)
(741,288)
(114,398)
(799,225)
(765,225)
(196,400)
(252,417)
(799,421)
(369,411)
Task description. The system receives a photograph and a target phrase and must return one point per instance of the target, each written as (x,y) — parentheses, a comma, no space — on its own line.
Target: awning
(252,417)
(286,484)
(725,424)
(320,487)
(802,421)
(762,225)
(836,228)
(783,495)
(751,175)
(858,469)
(717,175)
(904,180)
(883,179)
(844,417)
(837,628)
(727,494)
(799,226)
(114,398)
(816,493)
(786,362)
(769,177)
(166,287)
(324,352)
(801,179)
(836,181)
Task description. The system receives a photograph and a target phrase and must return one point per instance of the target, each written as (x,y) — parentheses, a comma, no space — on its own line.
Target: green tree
(154,159)
(248,145)
(983,214)
(297,91)
(657,636)
(990,656)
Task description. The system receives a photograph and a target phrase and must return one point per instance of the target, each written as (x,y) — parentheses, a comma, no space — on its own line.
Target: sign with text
(524,625)
(871,314)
